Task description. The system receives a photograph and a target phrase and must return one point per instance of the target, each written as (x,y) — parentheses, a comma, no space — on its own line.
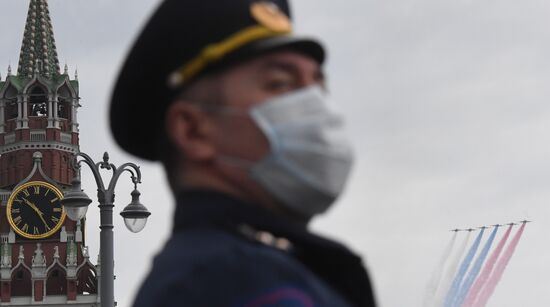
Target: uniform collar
(331,261)
(209,208)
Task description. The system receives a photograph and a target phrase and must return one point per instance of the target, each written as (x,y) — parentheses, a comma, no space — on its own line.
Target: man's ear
(189,131)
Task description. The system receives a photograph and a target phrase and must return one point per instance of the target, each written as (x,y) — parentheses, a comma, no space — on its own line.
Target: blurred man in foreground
(234,105)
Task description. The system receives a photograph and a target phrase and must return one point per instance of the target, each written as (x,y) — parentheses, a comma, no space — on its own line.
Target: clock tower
(43,257)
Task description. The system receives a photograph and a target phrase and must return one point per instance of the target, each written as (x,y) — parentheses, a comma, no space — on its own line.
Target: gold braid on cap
(214,52)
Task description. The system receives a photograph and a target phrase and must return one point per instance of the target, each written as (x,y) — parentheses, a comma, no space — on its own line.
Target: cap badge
(270,16)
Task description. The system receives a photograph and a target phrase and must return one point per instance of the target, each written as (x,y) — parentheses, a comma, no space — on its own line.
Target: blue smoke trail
(457,281)
(450,271)
(474,271)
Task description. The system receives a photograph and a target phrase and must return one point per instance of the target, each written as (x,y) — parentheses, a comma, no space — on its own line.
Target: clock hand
(33,206)
(40,213)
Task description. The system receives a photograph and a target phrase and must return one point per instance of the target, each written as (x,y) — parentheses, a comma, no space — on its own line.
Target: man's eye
(278,85)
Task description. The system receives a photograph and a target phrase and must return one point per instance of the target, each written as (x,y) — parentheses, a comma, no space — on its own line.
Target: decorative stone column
(19,120)
(51,112)
(71,269)
(74,121)
(39,274)
(5,270)
(24,114)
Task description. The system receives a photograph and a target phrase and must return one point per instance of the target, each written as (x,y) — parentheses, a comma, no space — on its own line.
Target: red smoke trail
(484,276)
(497,274)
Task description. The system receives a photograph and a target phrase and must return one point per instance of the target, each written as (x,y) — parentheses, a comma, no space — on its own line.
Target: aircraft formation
(472,266)
(486,227)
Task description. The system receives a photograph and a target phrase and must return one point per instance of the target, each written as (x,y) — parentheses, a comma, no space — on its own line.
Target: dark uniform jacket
(224,252)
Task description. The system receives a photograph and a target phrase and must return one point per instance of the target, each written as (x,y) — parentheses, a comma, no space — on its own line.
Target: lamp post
(135,214)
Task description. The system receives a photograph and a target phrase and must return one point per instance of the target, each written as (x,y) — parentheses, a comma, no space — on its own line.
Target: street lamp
(135,214)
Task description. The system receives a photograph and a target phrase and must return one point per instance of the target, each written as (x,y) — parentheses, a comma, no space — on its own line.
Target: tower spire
(38,51)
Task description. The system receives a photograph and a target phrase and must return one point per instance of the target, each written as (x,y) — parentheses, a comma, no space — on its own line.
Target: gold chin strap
(214,52)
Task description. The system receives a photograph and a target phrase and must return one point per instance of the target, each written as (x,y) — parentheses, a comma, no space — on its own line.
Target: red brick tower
(43,258)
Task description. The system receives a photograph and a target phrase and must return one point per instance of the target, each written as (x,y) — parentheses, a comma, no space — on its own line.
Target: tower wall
(38,139)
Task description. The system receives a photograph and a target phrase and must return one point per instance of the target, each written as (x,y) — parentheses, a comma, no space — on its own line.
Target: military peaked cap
(183,40)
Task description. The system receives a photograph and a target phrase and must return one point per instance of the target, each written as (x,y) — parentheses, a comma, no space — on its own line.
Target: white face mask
(309,159)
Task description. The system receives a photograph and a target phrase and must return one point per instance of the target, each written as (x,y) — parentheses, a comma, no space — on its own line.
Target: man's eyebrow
(278,65)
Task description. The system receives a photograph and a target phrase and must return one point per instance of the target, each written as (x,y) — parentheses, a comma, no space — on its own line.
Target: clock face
(34,210)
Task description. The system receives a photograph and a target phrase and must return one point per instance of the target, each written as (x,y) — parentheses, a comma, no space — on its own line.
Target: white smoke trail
(435,279)
(449,274)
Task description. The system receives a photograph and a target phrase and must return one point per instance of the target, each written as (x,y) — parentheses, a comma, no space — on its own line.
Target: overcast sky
(448,107)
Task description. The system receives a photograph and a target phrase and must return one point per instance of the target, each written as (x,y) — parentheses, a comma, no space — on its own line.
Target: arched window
(38,102)
(10,98)
(56,283)
(11,109)
(21,284)
(64,103)
(87,280)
